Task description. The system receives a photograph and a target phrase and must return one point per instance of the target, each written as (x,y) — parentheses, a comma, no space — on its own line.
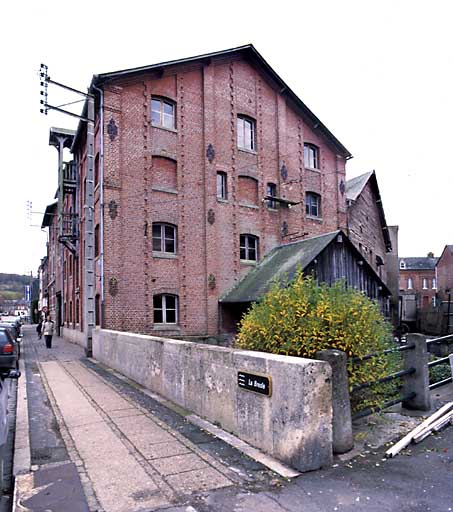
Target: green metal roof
(281,261)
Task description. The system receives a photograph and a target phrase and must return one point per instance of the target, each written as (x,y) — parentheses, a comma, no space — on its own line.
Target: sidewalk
(126,450)
(100,443)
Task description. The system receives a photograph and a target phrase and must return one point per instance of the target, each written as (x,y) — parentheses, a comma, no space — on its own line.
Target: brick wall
(153,174)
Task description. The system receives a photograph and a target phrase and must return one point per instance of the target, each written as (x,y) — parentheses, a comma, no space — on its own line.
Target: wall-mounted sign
(256,383)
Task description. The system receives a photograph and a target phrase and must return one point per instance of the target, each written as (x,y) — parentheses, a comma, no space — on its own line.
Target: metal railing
(387,378)
(439,361)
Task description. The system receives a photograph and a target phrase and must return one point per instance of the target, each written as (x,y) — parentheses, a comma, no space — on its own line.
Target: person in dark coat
(39,329)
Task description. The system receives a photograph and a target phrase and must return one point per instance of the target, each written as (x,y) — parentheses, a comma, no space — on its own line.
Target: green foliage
(439,372)
(300,317)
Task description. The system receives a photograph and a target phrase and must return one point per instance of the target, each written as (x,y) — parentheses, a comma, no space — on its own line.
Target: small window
(434,284)
(97,309)
(402,264)
(163,113)
(425,283)
(222,192)
(313,204)
(246,133)
(249,248)
(433,301)
(96,241)
(165,309)
(96,170)
(409,283)
(271,190)
(311,156)
(164,238)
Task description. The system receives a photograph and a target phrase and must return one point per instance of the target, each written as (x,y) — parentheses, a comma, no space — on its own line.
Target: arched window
(163,113)
(313,204)
(410,283)
(246,133)
(164,238)
(165,308)
(249,247)
(311,156)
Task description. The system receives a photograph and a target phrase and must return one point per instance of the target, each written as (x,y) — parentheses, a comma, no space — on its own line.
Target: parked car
(14,331)
(9,353)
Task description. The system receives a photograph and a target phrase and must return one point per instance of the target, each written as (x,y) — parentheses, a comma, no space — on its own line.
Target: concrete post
(341,406)
(418,381)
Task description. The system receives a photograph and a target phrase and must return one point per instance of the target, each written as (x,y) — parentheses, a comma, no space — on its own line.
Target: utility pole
(88,263)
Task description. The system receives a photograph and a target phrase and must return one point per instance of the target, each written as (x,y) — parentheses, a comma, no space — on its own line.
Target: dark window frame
(271,190)
(162,310)
(311,156)
(313,204)
(161,246)
(222,186)
(248,247)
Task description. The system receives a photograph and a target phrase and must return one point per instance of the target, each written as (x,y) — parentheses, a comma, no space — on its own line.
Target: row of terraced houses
(211,178)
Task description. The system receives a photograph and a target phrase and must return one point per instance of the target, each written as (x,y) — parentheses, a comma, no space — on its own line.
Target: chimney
(430,255)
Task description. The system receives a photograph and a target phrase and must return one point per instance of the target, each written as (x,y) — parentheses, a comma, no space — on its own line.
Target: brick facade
(155,175)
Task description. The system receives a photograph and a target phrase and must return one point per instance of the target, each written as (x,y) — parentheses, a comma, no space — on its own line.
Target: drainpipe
(101,197)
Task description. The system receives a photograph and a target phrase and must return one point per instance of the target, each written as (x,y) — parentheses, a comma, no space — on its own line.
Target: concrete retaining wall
(73,336)
(294,425)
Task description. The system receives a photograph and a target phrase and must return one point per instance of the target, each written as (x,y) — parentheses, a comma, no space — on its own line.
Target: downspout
(101,198)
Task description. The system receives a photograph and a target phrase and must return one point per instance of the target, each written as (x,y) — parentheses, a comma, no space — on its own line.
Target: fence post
(341,406)
(418,381)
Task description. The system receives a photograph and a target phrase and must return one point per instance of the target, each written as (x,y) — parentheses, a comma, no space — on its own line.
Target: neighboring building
(202,166)
(368,231)
(444,277)
(418,289)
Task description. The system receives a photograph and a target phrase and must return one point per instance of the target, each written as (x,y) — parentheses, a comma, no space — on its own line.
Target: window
(425,283)
(163,113)
(409,283)
(164,238)
(433,302)
(96,241)
(402,264)
(222,192)
(271,190)
(248,247)
(313,204)
(165,309)
(434,285)
(246,133)
(97,309)
(311,156)
(96,170)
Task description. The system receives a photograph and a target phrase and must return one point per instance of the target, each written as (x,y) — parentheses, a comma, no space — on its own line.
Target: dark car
(9,352)
(14,331)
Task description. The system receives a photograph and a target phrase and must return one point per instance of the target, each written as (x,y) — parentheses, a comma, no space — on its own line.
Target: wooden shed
(329,258)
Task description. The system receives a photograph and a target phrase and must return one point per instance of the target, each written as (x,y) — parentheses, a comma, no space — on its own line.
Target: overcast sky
(379,75)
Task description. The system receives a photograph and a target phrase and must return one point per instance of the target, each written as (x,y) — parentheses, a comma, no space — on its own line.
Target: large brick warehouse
(202,166)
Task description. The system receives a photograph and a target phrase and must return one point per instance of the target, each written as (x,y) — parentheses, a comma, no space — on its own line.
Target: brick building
(444,277)
(201,167)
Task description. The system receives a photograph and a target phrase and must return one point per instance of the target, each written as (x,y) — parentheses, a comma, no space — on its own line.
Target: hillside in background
(12,286)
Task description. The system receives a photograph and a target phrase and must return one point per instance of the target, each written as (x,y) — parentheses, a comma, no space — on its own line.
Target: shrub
(300,317)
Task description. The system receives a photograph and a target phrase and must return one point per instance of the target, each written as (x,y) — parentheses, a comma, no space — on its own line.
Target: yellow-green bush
(298,318)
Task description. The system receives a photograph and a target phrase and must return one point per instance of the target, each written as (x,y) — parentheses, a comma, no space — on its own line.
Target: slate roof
(282,261)
(354,186)
(249,52)
(424,263)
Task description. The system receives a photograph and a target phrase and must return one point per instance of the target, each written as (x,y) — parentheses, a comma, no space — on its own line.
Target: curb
(22,455)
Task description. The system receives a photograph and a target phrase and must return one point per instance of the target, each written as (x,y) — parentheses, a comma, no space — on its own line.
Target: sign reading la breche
(257,383)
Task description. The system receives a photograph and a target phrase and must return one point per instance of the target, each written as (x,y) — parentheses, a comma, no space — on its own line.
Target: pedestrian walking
(39,328)
(47,329)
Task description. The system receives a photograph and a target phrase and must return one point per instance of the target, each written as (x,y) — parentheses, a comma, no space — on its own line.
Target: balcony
(69,228)
(69,177)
